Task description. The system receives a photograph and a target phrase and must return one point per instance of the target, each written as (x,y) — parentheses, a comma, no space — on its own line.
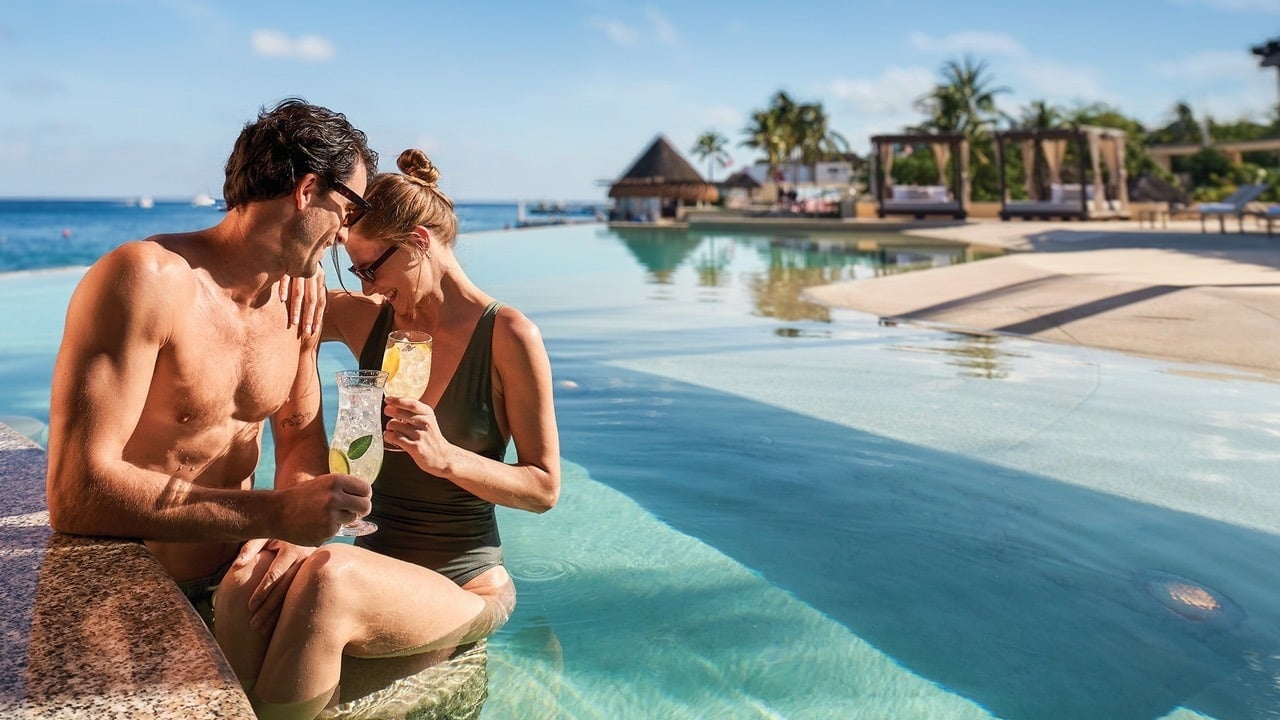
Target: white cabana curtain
(886,162)
(1095,156)
(1054,152)
(1114,160)
(941,154)
(1029,167)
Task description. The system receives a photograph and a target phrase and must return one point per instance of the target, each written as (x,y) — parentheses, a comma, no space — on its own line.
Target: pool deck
(1172,292)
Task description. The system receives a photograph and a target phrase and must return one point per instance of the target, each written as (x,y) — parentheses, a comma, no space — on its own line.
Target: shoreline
(1172,293)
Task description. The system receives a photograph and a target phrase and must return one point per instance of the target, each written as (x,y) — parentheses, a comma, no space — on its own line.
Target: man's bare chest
(230,363)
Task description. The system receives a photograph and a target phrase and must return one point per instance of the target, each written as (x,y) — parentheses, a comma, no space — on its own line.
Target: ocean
(50,234)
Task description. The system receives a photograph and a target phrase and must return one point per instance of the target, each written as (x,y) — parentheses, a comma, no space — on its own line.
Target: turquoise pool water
(772,509)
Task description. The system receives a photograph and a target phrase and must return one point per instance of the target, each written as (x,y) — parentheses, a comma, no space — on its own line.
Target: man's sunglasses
(362,205)
(368,272)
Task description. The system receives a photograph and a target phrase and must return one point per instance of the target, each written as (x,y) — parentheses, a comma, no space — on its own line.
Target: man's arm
(118,321)
(297,428)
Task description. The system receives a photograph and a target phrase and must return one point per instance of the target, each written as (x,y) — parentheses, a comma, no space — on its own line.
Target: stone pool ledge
(94,627)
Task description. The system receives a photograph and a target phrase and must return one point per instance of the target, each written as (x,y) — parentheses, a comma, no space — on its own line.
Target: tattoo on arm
(295,421)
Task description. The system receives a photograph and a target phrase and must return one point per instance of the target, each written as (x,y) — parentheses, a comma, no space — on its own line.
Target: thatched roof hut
(741,179)
(661,172)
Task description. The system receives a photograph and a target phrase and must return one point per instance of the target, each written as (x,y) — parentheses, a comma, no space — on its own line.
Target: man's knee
(241,580)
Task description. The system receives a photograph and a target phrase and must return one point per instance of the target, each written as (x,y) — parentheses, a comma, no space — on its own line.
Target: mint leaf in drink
(359,446)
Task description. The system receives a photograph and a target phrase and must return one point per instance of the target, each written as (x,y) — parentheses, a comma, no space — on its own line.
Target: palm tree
(710,146)
(964,103)
(1040,115)
(815,140)
(793,132)
(1185,129)
(767,134)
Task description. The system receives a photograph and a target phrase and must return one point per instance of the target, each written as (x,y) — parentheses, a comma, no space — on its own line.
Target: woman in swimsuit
(431,577)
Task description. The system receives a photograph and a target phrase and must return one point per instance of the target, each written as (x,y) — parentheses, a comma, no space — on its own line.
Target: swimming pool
(774,509)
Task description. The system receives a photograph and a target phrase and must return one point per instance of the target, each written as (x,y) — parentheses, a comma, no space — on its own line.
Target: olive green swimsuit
(424,519)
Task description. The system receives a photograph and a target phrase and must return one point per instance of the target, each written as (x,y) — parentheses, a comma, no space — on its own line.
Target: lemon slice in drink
(338,462)
(391,361)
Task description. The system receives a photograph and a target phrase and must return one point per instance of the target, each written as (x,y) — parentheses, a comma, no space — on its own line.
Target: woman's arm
(525,391)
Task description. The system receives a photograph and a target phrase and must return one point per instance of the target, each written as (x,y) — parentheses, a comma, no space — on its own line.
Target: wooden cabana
(657,183)
(950,196)
(1094,187)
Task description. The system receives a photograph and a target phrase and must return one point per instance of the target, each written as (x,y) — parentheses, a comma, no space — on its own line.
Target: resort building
(659,185)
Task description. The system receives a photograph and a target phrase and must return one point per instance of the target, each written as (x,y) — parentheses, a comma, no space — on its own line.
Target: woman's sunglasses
(368,272)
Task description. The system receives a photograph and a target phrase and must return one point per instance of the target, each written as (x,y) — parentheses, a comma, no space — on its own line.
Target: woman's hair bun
(414,162)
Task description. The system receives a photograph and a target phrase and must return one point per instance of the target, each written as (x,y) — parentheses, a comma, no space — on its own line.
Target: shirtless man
(176,349)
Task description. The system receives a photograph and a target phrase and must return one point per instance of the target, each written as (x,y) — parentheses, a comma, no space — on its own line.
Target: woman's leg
(346,599)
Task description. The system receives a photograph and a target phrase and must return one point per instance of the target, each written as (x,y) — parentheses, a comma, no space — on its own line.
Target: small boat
(203,200)
(146,203)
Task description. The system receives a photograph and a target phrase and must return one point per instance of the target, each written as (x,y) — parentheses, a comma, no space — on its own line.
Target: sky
(552,99)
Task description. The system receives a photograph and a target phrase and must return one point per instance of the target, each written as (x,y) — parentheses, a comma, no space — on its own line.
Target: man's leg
(243,646)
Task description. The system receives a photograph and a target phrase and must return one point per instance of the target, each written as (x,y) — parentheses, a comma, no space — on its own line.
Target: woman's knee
(328,580)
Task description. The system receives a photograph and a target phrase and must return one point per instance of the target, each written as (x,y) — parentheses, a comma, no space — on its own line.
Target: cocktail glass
(407,363)
(356,447)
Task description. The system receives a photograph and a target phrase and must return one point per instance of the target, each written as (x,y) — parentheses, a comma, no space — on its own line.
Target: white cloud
(1059,82)
(1210,65)
(892,93)
(1270,7)
(272,43)
(618,32)
(1254,102)
(662,26)
(1227,84)
(882,104)
(970,41)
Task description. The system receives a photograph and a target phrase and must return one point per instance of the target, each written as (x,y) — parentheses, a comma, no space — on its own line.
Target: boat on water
(542,207)
(146,203)
(564,218)
(203,200)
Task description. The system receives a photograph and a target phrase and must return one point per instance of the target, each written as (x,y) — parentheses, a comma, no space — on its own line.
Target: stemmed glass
(356,447)
(407,363)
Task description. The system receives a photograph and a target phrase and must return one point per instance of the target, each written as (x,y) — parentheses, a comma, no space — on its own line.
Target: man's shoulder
(151,260)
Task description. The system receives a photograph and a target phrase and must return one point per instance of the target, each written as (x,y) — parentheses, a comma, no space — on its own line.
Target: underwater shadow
(1034,598)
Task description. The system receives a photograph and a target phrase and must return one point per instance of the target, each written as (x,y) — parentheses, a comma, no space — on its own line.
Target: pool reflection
(776,270)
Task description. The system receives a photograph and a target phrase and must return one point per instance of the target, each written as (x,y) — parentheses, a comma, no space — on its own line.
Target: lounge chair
(1234,204)
(1269,214)
(921,200)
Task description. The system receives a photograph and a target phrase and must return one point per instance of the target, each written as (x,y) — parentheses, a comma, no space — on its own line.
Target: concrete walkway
(1171,293)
